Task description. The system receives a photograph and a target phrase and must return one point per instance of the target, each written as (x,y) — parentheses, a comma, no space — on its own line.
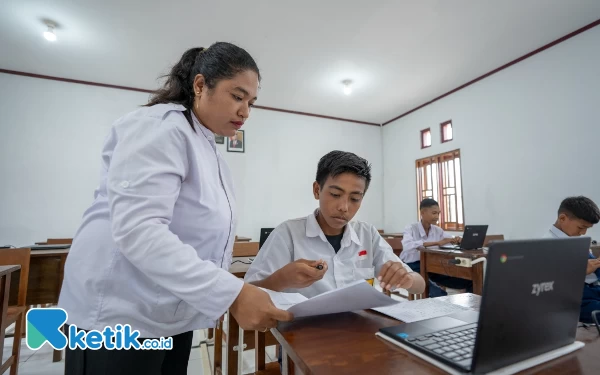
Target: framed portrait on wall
(237,143)
(219,139)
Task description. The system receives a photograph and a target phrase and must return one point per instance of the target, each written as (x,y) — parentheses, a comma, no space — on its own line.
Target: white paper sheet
(358,295)
(413,311)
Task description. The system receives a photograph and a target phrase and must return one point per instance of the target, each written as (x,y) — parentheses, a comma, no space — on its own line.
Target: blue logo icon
(403,335)
(45,326)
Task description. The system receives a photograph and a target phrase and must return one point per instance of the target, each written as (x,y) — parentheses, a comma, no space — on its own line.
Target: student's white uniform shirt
(554,232)
(415,236)
(362,253)
(154,247)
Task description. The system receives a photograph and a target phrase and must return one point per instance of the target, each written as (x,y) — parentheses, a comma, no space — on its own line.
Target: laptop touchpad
(441,323)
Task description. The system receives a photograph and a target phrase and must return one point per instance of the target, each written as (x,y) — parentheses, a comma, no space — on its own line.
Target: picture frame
(219,139)
(237,143)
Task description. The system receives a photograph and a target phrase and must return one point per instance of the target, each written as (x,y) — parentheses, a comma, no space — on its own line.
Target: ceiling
(400,54)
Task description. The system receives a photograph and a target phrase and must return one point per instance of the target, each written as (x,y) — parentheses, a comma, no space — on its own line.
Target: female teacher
(155,245)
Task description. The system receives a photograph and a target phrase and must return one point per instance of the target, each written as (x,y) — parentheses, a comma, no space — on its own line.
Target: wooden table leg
(424,273)
(233,339)
(4,294)
(477,277)
(218,360)
(259,350)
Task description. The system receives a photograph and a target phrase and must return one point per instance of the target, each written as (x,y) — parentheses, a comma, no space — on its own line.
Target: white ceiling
(400,54)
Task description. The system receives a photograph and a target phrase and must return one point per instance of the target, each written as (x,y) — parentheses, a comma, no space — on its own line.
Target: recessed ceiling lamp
(347,86)
(49,34)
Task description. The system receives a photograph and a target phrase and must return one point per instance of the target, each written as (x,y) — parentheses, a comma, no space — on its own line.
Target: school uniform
(590,300)
(358,253)
(414,237)
(155,245)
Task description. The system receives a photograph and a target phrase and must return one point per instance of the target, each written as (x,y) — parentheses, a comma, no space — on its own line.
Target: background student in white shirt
(575,216)
(347,250)
(426,233)
(154,247)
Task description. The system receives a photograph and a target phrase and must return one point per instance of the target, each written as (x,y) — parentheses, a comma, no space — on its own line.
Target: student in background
(575,216)
(426,234)
(289,258)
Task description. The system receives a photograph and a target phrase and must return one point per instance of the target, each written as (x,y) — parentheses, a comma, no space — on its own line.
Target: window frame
(442,131)
(422,139)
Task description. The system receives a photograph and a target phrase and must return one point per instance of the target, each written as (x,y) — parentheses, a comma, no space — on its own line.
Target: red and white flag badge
(362,254)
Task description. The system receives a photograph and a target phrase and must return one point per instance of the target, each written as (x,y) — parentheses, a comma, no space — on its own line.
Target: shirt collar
(313,229)
(557,232)
(422,230)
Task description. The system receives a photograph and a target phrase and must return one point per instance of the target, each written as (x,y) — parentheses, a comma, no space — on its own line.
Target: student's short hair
(337,162)
(428,202)
(581,208)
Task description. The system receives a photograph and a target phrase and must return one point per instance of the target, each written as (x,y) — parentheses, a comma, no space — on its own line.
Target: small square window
(426,138)
(446,130)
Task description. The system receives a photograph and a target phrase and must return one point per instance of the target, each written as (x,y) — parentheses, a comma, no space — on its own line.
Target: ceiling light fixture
(49,34)
(347,86)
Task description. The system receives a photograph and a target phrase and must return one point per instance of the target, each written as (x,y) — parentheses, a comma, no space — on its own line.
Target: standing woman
(154,247)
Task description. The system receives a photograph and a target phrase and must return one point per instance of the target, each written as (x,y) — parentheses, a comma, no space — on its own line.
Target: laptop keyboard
(454,344)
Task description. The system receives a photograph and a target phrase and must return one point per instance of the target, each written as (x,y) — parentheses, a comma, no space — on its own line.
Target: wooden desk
(392,235)
(346,344)
(242,239)
(435,260)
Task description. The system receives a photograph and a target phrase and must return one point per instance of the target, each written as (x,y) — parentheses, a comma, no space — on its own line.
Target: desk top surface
(466,253)
(5,270)
(346,344)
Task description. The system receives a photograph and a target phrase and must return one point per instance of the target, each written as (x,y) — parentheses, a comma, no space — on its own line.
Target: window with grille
(439,178)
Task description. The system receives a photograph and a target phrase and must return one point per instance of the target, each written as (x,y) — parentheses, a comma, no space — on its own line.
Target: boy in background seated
(575,216)
(426,234)
(289,259)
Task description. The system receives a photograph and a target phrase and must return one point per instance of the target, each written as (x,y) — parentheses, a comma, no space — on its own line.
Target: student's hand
(456,240)
(254,310)
(393,275)
(593,265)
(445,241)
(301,273)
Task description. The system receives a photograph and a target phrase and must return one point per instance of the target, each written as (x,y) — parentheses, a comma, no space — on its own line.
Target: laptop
(264,234)
(473,238)
(530,308)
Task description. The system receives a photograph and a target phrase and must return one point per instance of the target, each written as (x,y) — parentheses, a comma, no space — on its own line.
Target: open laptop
(264,234)
(529,311)
(473,238)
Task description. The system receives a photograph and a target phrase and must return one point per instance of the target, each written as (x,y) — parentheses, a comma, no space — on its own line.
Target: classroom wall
(528,137)
(51,134)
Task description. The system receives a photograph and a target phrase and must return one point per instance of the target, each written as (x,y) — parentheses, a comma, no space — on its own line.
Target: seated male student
(426,234)
(347,250)
(575,216)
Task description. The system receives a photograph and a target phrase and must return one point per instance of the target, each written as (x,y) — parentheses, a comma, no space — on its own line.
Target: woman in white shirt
(154,247)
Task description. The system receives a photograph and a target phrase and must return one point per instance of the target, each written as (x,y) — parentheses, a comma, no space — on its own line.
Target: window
(426,138)
(439,178)
(446,130)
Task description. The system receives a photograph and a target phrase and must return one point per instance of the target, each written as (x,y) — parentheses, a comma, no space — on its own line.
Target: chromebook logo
(45,326)
(503,258)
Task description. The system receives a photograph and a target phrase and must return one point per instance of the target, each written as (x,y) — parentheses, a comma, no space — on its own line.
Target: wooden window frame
(440,184)
(442,131)
(430,138)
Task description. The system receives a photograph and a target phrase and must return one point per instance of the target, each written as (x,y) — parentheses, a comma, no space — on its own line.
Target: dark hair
(580,207)
(428,202)
(219,61)
(337,162)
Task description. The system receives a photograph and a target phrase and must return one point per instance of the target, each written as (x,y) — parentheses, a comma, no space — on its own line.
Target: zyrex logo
(542,287)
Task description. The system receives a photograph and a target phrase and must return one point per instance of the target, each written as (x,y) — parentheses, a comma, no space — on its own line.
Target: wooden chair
(492,237)
(245,249)
(395,243)
(16,309)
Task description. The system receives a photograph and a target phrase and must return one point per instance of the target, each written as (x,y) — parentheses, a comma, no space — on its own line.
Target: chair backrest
(493,237)
(264,234)
(245,249)
(59,241)
(395,243)
(380,231)
(20,257)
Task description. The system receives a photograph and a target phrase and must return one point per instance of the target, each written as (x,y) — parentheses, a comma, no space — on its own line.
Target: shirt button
(209,138)
(125,184)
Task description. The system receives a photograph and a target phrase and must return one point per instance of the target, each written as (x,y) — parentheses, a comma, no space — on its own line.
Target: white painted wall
(528,135)
(51,134)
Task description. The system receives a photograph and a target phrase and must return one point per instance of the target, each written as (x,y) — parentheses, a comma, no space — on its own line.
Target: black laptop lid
(474,237)
(531,299)
(264,234)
